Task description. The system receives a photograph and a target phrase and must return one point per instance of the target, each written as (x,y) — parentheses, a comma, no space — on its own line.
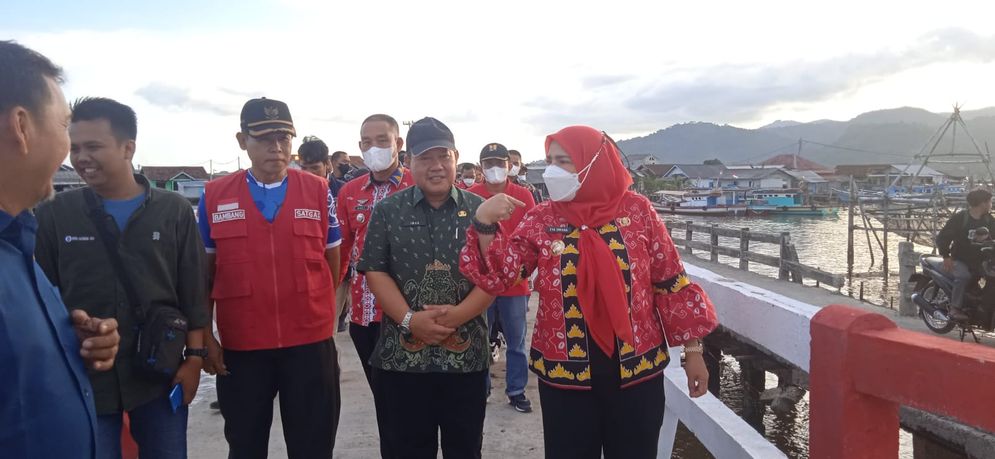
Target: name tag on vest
(225,206)
(559,229)
(309,214)
(218,217)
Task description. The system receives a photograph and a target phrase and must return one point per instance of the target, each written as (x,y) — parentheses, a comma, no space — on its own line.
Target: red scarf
(600,285)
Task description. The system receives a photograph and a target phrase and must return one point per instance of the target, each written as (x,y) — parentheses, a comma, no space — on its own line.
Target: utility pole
(795,162)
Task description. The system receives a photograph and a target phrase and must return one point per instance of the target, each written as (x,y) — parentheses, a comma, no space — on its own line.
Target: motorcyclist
(961,258)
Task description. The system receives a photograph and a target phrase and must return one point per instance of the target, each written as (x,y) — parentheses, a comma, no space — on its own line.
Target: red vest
(272,285)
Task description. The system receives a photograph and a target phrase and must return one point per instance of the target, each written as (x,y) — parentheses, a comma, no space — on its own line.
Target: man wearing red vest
(272,240)
(380,141)
(508,310)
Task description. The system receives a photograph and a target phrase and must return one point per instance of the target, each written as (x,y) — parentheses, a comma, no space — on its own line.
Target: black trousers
(623,423)
(307,380)
(422,404)
(365,340)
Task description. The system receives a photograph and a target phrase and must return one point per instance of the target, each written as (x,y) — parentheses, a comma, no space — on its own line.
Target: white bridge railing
(771,322)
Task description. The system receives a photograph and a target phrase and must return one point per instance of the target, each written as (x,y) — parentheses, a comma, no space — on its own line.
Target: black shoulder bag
(162,330)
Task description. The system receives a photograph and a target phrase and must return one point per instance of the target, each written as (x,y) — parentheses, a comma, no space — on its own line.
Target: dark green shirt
(419,247)
(162,252)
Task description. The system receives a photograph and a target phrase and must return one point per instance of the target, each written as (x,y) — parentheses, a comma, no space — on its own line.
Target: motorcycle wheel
(938,319)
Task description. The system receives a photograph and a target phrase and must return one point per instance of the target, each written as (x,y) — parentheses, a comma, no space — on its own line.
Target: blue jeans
(160,433)
(962,280)
(511,312)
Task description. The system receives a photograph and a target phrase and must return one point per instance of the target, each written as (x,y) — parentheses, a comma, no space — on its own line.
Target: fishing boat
(712,202)
(784,201)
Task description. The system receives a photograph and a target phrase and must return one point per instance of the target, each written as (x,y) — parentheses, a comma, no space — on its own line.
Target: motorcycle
(934,287)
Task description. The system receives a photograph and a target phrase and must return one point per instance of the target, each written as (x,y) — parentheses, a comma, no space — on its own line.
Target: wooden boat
(712,203)
(784,201)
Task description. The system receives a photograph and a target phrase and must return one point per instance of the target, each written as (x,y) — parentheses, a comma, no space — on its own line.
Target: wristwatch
(195,352)
(406,322)
(484,228)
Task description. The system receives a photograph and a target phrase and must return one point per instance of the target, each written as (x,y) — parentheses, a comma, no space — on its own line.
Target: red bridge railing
(863,367)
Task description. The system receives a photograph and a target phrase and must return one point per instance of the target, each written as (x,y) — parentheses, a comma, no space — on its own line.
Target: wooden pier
(790,268)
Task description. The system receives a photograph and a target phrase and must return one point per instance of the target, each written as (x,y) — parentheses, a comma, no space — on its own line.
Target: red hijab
(600,285)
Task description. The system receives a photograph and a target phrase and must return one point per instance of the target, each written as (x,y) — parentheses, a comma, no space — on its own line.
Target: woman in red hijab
(612,295)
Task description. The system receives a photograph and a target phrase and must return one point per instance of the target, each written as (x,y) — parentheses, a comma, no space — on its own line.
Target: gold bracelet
(699,349)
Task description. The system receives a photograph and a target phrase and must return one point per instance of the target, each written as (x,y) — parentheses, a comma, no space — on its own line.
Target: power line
(857,150)
(765,155)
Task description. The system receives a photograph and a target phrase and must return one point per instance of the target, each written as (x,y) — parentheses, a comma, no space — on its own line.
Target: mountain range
(891,136)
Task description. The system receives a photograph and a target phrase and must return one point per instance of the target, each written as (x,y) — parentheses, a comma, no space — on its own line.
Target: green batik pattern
(419,247)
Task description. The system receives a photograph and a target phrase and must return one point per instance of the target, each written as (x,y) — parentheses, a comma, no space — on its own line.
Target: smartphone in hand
(176,397)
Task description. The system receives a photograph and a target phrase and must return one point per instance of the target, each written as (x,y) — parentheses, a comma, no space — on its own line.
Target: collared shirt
(355,205)
(163,255)
(46,405)
(269,199)
(418,246)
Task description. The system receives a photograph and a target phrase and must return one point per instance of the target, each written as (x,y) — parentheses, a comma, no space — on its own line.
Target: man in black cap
(272,240)
(432,354)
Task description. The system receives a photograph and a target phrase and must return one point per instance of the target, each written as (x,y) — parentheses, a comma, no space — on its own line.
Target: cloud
(599,81)
(173,97)
(735,93)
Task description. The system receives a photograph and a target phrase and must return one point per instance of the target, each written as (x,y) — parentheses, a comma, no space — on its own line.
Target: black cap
(494,150)
(428,133)
(262,116)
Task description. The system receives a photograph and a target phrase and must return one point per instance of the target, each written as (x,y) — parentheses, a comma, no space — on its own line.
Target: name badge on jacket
(229,215)
(310,214)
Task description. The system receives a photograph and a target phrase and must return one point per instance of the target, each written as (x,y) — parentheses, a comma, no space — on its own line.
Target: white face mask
(469,181)
(378,159)
(515,169)
(496,175)
(563,185)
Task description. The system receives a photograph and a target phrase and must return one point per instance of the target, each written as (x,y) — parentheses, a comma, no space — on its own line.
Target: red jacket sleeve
(500,268)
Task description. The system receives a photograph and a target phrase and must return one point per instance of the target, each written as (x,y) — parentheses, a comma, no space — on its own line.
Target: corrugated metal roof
(697,170)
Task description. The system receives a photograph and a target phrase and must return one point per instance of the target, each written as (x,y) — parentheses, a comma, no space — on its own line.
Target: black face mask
(344,169)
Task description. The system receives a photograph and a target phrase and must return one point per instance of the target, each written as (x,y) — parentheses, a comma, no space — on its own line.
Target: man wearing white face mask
(380,141)
(517,174)
(467,176)
(511,306)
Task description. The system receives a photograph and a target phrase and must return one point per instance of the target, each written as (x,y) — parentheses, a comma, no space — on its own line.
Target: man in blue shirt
(46,406)
(155,235)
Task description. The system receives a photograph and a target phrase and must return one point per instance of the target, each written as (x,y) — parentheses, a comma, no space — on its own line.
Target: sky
(510,72)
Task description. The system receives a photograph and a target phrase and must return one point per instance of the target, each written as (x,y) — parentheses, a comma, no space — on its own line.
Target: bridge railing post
(843,421)
(744,246)
(713,240)
(907,261)
(687,237)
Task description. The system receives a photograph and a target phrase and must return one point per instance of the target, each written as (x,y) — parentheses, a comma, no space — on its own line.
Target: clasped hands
(436,322)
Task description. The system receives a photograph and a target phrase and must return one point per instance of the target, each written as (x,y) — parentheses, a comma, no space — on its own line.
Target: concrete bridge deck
(507,433)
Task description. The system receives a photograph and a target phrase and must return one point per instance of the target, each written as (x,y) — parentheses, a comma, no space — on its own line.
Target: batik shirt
(419,246)
(355,206)
(664,305)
